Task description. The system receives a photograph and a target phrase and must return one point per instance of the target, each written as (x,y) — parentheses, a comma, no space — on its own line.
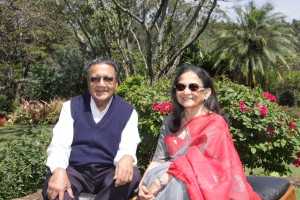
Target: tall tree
(29,33)
(149,35)
(259,41)
(170,28)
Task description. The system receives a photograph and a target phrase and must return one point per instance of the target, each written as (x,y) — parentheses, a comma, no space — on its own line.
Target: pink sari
(210,165)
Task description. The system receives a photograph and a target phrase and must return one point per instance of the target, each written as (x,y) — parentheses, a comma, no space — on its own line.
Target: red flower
(271,129)
(263,110)
(298,155)
(242,106)
(270,97)
(292,126)
(164,108)
(283,107)
(154,102)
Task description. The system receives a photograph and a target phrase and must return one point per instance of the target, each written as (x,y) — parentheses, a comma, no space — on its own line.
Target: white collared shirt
(59,149)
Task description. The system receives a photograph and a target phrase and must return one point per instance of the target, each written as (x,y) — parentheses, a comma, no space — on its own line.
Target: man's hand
(58,184)
(124,171)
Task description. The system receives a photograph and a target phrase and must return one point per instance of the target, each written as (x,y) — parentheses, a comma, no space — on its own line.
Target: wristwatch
(161,183)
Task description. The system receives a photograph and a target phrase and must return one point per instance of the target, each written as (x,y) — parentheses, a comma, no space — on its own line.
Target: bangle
(161,183)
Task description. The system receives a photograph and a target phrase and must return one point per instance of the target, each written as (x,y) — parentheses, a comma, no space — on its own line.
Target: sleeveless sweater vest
(97,143)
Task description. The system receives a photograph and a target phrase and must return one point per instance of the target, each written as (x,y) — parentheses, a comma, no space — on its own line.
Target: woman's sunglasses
(97,79)
(193,87)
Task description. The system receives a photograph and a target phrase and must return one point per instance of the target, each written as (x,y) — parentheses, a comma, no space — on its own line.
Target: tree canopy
(259,41)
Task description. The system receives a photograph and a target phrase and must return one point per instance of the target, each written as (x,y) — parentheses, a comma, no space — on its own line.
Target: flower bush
(36,112)
(137,92)
(264,135)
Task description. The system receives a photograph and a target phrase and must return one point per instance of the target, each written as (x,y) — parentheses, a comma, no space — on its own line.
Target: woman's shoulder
(165,126)
(217,117)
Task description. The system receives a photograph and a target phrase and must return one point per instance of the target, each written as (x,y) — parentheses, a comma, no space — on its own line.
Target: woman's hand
(155,187)
(144,193)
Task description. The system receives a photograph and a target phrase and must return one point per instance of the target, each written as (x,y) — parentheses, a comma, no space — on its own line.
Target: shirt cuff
(120,155)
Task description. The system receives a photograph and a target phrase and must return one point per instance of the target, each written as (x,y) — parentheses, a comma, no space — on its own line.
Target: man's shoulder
(122,101)
(81,98)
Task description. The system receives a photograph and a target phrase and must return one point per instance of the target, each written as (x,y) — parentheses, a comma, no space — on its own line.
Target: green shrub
(264,135)
(138,93)
(287,90)
(22,163)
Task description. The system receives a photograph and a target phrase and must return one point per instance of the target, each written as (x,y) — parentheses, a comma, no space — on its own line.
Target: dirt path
(34,196)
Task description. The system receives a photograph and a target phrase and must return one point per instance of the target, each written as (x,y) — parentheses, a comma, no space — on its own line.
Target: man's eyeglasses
(193,87)
(97,79)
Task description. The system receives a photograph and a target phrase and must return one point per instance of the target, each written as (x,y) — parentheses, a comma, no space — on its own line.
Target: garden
(266,138)
(253,59)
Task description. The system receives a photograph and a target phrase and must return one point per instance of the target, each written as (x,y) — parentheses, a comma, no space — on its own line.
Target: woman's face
(188,98)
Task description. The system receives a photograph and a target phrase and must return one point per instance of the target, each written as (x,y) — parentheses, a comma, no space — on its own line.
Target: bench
(272,188)
(268,188)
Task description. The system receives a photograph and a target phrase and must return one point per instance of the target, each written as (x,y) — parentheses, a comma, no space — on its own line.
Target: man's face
(102,83)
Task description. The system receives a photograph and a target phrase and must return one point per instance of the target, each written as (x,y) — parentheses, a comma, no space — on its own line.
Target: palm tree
(258,42)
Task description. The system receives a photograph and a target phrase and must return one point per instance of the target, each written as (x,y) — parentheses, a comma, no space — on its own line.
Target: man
(94,142)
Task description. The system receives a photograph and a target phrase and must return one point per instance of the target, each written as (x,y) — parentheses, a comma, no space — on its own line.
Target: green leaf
(253,150)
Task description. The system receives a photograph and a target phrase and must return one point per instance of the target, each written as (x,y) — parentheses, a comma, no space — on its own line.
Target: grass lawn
(15,131)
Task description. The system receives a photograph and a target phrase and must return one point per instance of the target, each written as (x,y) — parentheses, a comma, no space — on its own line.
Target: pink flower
(164,108)
(242,106)
(263,110)
(154,102)
(292,126)
(37,143)
(270,97)
(271,129)
(297,164)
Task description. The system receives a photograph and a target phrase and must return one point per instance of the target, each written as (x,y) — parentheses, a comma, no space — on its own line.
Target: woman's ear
(207,93)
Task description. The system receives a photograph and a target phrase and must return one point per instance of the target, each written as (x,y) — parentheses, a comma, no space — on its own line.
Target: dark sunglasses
(193,87)
(106,79)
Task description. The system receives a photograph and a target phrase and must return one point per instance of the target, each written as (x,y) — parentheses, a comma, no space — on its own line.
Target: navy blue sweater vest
(97,143)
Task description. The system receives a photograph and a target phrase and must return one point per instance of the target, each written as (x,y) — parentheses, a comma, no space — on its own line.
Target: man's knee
(136,178)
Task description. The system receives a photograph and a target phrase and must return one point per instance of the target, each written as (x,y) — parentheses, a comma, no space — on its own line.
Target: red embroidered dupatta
(211,167)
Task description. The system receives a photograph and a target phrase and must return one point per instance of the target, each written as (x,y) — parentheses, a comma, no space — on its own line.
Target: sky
(289,8)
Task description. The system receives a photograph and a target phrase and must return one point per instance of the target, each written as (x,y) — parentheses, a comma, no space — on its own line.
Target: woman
(195,156)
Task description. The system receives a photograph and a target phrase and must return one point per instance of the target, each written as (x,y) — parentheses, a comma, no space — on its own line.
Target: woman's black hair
(211,102)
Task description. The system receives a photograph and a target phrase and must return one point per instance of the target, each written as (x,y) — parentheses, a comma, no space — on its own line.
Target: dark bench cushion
(268,188)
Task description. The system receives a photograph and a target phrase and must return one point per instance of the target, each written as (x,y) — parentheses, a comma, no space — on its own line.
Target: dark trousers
(97,179)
